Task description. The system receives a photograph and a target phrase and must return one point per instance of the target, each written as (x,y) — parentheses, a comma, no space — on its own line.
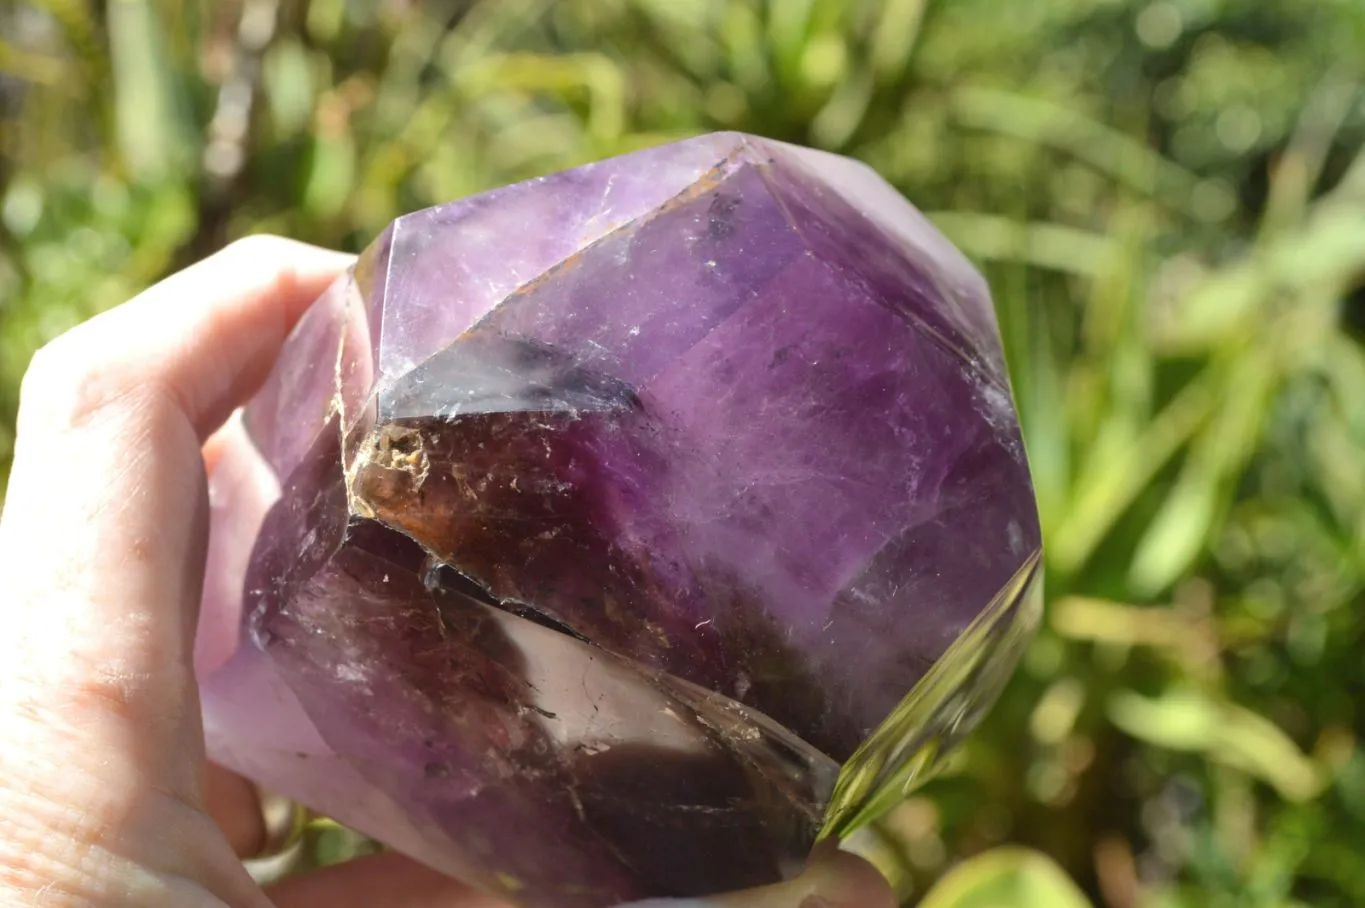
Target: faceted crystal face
(588,526)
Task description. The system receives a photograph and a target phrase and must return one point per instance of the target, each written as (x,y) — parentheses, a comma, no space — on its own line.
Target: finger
(834,879)
(103,526)
(234,805)
(102,536)
(385,879)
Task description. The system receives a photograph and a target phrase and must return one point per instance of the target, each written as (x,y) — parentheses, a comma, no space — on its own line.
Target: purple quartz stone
(589,525)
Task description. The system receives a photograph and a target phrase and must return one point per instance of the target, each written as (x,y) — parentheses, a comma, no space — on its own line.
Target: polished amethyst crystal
(589,525)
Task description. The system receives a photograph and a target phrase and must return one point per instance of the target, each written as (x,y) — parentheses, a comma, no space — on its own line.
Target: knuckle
(45,366)
(266,254)
(123,696)
(69,382)
(257,247)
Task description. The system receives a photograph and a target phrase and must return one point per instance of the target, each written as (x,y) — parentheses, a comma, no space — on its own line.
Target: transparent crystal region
(611,535)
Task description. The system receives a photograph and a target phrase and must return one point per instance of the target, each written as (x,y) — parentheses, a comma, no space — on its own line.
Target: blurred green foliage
(1168,197)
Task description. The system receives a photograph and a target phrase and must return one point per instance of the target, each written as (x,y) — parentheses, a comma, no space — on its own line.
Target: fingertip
(833,878)
(297,272)
(268,248)
(851,882)
(234,804)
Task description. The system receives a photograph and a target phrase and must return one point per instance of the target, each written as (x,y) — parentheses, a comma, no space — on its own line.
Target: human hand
(105,796)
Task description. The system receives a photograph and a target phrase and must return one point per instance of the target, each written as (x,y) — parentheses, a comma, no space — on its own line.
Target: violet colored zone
(589,524)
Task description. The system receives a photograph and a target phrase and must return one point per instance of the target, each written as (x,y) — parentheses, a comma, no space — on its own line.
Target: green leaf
(1219,456)
(1177,535)
(288,80)
(1226,733)
(1048,246)
(331,174)
(156,133)
(894,39)
(1114,481)
(788,30)
(1006,878)
(1127,160)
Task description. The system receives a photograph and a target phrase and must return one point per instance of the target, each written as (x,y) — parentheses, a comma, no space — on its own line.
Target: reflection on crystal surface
(587,528)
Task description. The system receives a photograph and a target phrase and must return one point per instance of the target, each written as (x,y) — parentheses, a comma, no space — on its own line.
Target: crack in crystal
(734,738)
(414,462)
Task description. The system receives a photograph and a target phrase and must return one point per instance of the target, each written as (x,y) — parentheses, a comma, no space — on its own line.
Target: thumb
(101,554)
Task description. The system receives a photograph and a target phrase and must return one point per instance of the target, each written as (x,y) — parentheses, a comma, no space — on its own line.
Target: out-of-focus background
(1168,197)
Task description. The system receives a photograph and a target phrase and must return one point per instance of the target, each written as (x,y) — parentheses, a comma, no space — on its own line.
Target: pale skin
(106,799)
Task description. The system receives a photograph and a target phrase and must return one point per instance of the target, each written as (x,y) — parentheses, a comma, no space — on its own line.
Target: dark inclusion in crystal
(589,524)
